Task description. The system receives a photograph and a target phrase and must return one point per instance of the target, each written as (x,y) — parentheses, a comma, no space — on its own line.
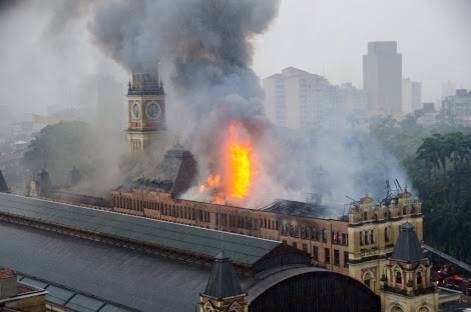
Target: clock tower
(146,111)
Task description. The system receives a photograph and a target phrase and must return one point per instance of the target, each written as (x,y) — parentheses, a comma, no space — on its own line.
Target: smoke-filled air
(204,51)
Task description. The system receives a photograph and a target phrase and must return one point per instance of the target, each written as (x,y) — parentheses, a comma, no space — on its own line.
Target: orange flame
(237,164)
(236,168)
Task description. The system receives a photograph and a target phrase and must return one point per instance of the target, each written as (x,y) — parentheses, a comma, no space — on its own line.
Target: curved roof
(190,240)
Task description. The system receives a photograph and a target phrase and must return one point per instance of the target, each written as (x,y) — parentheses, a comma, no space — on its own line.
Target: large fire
(234,173)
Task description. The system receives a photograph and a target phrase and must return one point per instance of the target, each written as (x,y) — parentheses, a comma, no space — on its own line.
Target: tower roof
(3,184)
(223,281)
(407,246)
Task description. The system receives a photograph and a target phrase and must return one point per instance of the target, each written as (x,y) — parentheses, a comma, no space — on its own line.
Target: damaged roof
(296,208)
(175,174)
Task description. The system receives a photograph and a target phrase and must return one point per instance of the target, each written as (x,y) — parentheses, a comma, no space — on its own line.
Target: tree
(60,147)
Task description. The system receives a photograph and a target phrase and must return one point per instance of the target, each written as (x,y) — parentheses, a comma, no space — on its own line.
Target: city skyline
(334,48)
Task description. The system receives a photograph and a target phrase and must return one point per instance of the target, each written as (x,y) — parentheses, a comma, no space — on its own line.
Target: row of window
(233,221)
(315,254)
(388,215)
(368,237)
(313,233)
(165,209)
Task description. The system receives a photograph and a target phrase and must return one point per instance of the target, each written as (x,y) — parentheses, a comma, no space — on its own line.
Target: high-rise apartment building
(411,96)
(298,99)
(382,78)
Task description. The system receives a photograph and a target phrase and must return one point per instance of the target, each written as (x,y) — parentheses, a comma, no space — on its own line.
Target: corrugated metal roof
(73,300)
(240,249)
(141,281)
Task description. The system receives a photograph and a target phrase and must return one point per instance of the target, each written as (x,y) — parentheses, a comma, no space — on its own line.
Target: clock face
(136,110)
(153,110)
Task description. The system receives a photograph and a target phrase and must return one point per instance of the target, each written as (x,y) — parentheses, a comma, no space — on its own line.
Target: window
(315,253)
(295,245)
(285,242)
(361,239)
(345,259)
(366,238)
(372,237)
(336,257)
(305,247)
(327,255)
(324,236)
(367,283)
(419,279)
(386,235)
(365,215)
(404,210)
(344,239)
(398,278)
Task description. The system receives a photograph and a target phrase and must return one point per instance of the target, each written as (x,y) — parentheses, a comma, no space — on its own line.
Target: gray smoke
(206,43)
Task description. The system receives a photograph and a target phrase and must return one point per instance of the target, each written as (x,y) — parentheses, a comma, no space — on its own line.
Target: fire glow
(233,177)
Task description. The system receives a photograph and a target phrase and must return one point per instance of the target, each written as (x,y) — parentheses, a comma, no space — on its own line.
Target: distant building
(457,108)
(382,78)
(298,99)
(411,96)
(427,115)
(448,89)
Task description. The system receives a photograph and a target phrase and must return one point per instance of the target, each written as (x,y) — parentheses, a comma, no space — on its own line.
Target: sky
(329,37)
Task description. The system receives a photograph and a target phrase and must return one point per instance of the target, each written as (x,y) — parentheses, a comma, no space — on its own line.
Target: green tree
(58,148)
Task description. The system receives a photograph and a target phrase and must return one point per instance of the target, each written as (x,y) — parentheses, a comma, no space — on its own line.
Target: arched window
(398,278)
(396,309)
(419,279)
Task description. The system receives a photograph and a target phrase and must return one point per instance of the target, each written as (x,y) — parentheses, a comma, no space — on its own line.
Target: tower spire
(223,292)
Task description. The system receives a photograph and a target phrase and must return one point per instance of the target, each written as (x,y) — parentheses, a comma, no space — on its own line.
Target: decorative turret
(3,184)
(407,286)
(223,292)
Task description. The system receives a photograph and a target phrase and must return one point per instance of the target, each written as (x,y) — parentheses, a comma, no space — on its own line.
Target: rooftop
(407,246)
(301,209)
(187,240)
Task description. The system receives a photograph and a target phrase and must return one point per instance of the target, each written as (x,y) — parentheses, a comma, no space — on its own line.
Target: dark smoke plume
(206,42)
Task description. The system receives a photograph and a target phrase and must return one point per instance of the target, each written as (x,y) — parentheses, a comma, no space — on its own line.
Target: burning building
(358,242)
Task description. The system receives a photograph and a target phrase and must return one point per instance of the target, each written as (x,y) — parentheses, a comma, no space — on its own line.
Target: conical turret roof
(407,246)
(223,281)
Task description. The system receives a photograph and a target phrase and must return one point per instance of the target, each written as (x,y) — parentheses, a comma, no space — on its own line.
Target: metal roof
(223,281)
(296,208)
(71,299)
(240,249)
(407,247)
(134,279)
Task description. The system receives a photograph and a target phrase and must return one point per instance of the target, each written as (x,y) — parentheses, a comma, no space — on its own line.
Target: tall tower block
(146,111)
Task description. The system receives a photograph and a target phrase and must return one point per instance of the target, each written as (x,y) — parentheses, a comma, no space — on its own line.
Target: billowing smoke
(203,49)
(206,43)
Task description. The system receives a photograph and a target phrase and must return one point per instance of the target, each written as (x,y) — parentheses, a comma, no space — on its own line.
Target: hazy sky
(330,36)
